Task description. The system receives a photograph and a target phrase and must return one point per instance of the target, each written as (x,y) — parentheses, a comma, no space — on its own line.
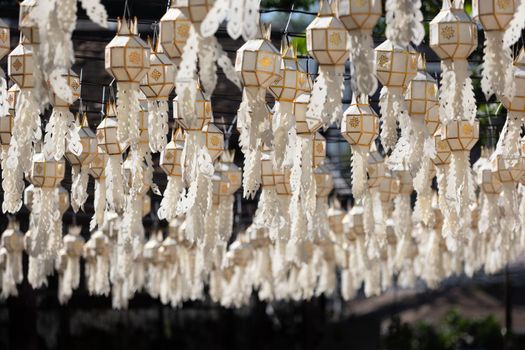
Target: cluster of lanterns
(299,239)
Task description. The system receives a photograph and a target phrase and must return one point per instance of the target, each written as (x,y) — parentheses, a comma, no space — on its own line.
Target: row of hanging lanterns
(299,239)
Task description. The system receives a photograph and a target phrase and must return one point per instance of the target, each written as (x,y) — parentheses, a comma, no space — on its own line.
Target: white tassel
(79,193)
(172,194)
(99,204)
(26,131)
(404,22)
(391,105)
(497,67)
(362,65)
(325,102)
(114,184)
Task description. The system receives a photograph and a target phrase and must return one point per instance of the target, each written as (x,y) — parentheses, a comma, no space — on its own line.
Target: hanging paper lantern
(453,37)
(203,49)
(128,61)
(327,42)
(214,140)
(12,99)
(80,163)
(27,24)
(109,143)
(69,276)
(268,210)
(259,65)
(233,176)
(96,254)
(174,31)
(293,83)
(61,129)
(420,96)
(432,121)
(46,175)
(6,131)
(396,66)
(304,122)
(12,272)
(360,128)
(25,129)
(157,85)
(495,17)
(360,18)
(5,39)
(171,163)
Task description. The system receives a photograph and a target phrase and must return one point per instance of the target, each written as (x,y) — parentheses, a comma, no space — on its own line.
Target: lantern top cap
(327,9)
(520,58)
(265,31)
(287,50)
(228,156)
(111,109)
(84,123)
(127,27)
(421,62)
(178,135)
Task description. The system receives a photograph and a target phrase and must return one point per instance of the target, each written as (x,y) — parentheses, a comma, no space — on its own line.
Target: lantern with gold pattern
(496,16)
(171,163)
(157,85)
(327,42)
(174,32)
(395,68)
(109,143)
(360,128)
(80,163)
(360,18)
(454,36)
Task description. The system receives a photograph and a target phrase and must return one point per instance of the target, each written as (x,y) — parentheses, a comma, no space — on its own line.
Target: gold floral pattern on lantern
(448,32)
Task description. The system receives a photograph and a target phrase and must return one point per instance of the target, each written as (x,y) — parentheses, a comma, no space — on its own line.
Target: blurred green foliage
(454,332)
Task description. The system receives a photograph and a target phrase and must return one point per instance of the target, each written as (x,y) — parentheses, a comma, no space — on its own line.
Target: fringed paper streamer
(359,173)
(282,124)
(114,184)
(47,240)
(99,203)
(157,125)
(362,63)
(423,187)
(61,129)
(79,193)
(327,92)
(172,194)
(433,269)
(242,17)
(225,226)
(497,66)
(252,173)
(302,205)
(26,131)
(198,198)
(11,251)
(404,22)
(391,105)
(456,93)
(514,30)
(268,214)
